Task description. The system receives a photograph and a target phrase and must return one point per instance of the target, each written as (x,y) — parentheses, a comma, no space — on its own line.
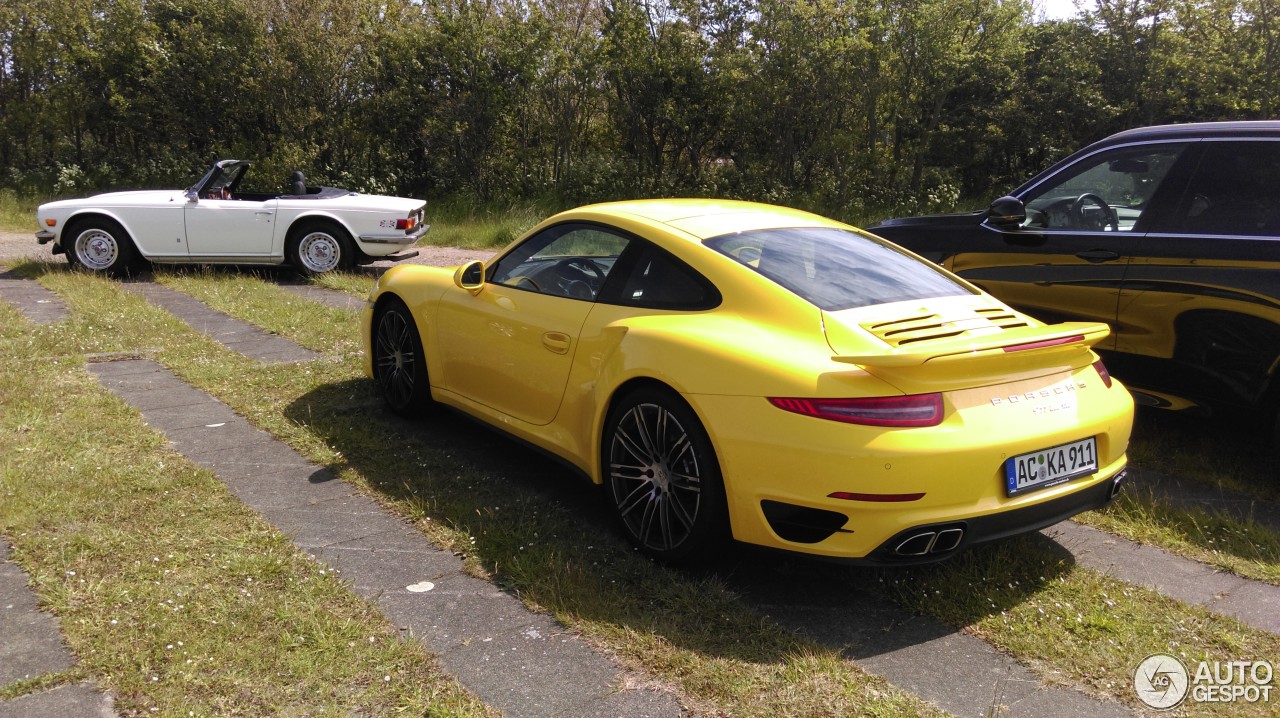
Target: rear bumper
(396,239)
(856,492)
(934,542)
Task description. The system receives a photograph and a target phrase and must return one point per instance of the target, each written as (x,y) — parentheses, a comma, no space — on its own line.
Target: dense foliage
(839,105)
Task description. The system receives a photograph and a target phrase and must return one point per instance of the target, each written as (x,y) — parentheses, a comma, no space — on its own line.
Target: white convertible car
(316,229)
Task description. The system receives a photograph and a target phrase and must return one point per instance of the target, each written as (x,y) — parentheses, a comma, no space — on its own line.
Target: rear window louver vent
(928,327)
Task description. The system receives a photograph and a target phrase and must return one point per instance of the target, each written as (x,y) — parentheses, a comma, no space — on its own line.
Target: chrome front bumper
(44,236)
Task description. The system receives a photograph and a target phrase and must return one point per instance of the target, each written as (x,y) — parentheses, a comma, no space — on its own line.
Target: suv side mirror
(1007,213)
(470,276)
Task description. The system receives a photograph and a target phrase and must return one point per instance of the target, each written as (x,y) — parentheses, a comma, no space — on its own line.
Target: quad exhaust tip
(1117,484)
(928,542)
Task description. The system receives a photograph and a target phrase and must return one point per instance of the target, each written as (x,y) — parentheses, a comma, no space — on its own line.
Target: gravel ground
(22,245)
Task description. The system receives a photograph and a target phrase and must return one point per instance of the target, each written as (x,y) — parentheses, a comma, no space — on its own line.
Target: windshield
(836,269)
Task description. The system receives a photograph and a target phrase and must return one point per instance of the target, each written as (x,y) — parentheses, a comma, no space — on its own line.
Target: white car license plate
(1049,467)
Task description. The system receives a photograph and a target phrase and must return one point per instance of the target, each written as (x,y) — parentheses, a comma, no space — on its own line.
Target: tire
(399,364)
(662,478)
(319,247)
(102,246)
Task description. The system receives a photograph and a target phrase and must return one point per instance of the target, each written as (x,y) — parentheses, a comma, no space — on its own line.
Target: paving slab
(79,700)
(957,672)
(1192,494)
(237,335)
(1253,602)
(328,297)
(37,304)
(31,646)
(521,662)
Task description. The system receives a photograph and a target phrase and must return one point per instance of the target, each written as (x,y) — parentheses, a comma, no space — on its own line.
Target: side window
(656,279)
(568,260)
(1234,191)
(1108,192)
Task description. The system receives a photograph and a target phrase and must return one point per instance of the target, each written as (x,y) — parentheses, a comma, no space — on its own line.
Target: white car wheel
(96,249)
(320,252)
(100,246)
(319,248)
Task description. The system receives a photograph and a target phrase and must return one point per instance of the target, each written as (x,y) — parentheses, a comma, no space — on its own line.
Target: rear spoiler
(1069,335)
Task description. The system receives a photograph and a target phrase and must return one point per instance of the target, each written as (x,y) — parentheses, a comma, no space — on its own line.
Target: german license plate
(1050,467)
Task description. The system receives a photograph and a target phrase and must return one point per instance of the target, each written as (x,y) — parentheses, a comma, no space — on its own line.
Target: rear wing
(1069,336)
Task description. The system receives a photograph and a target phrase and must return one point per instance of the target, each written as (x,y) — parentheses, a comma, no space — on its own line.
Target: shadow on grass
(1230,452)
(544,531)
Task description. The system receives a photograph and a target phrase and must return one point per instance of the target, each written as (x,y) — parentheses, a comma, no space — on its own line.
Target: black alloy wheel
(399,364)
(662,477)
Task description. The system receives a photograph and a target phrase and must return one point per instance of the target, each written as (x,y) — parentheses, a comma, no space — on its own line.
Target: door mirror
(1007,213)
(470,276)
(192,196)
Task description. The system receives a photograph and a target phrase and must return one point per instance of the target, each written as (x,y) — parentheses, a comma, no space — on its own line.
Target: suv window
(1234,191)
(836,269)
(1108,192)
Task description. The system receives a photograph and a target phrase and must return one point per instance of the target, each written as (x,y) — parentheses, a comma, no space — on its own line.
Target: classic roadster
(316,229)
(728,369)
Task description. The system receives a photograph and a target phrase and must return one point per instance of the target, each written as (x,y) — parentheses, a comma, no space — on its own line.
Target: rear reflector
(850,496)
(1046,343)
(916,410)
(1102,372)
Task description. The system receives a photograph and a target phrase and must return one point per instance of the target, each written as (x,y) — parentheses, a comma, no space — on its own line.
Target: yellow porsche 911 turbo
(730,370)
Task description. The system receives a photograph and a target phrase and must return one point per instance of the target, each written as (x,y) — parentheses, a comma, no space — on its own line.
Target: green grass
(17,214)
(455,224)
(519,519)
(171,593)
(1214,454)
(1074,626)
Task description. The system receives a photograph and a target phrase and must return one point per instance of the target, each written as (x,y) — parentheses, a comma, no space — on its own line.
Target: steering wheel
(582,277)
(522,279)
(582,266)
(1084,221)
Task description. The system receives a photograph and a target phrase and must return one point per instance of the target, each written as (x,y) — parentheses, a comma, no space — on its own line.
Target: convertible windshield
(836,269)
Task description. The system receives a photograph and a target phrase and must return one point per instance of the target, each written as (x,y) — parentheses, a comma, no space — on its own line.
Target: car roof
(701,219)
(1198,129)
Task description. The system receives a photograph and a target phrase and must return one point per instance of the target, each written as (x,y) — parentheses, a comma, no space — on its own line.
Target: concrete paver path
(31,646)
(237,335)
(522,662)
(31,298)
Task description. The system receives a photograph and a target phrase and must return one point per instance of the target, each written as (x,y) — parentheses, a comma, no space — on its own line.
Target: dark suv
(1169,234)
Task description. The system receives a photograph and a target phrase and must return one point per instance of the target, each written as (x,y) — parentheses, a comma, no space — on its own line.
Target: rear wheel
(662,477)
(100,245)
(399,364)
(319,247)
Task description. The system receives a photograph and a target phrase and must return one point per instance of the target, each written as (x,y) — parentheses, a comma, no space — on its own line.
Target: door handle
(1098,255)
(557,342)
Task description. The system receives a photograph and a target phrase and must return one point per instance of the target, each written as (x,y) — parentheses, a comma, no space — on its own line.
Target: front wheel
(101,245)
(662,477)
(319,247)
(399,364)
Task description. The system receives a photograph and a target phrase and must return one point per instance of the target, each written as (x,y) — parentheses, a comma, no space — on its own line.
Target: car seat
(298,183)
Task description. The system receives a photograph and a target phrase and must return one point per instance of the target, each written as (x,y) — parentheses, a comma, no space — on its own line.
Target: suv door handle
(1098,255)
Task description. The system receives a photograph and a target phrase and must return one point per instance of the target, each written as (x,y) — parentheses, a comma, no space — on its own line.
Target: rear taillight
(406,224)
(1102,372)
(916,410)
